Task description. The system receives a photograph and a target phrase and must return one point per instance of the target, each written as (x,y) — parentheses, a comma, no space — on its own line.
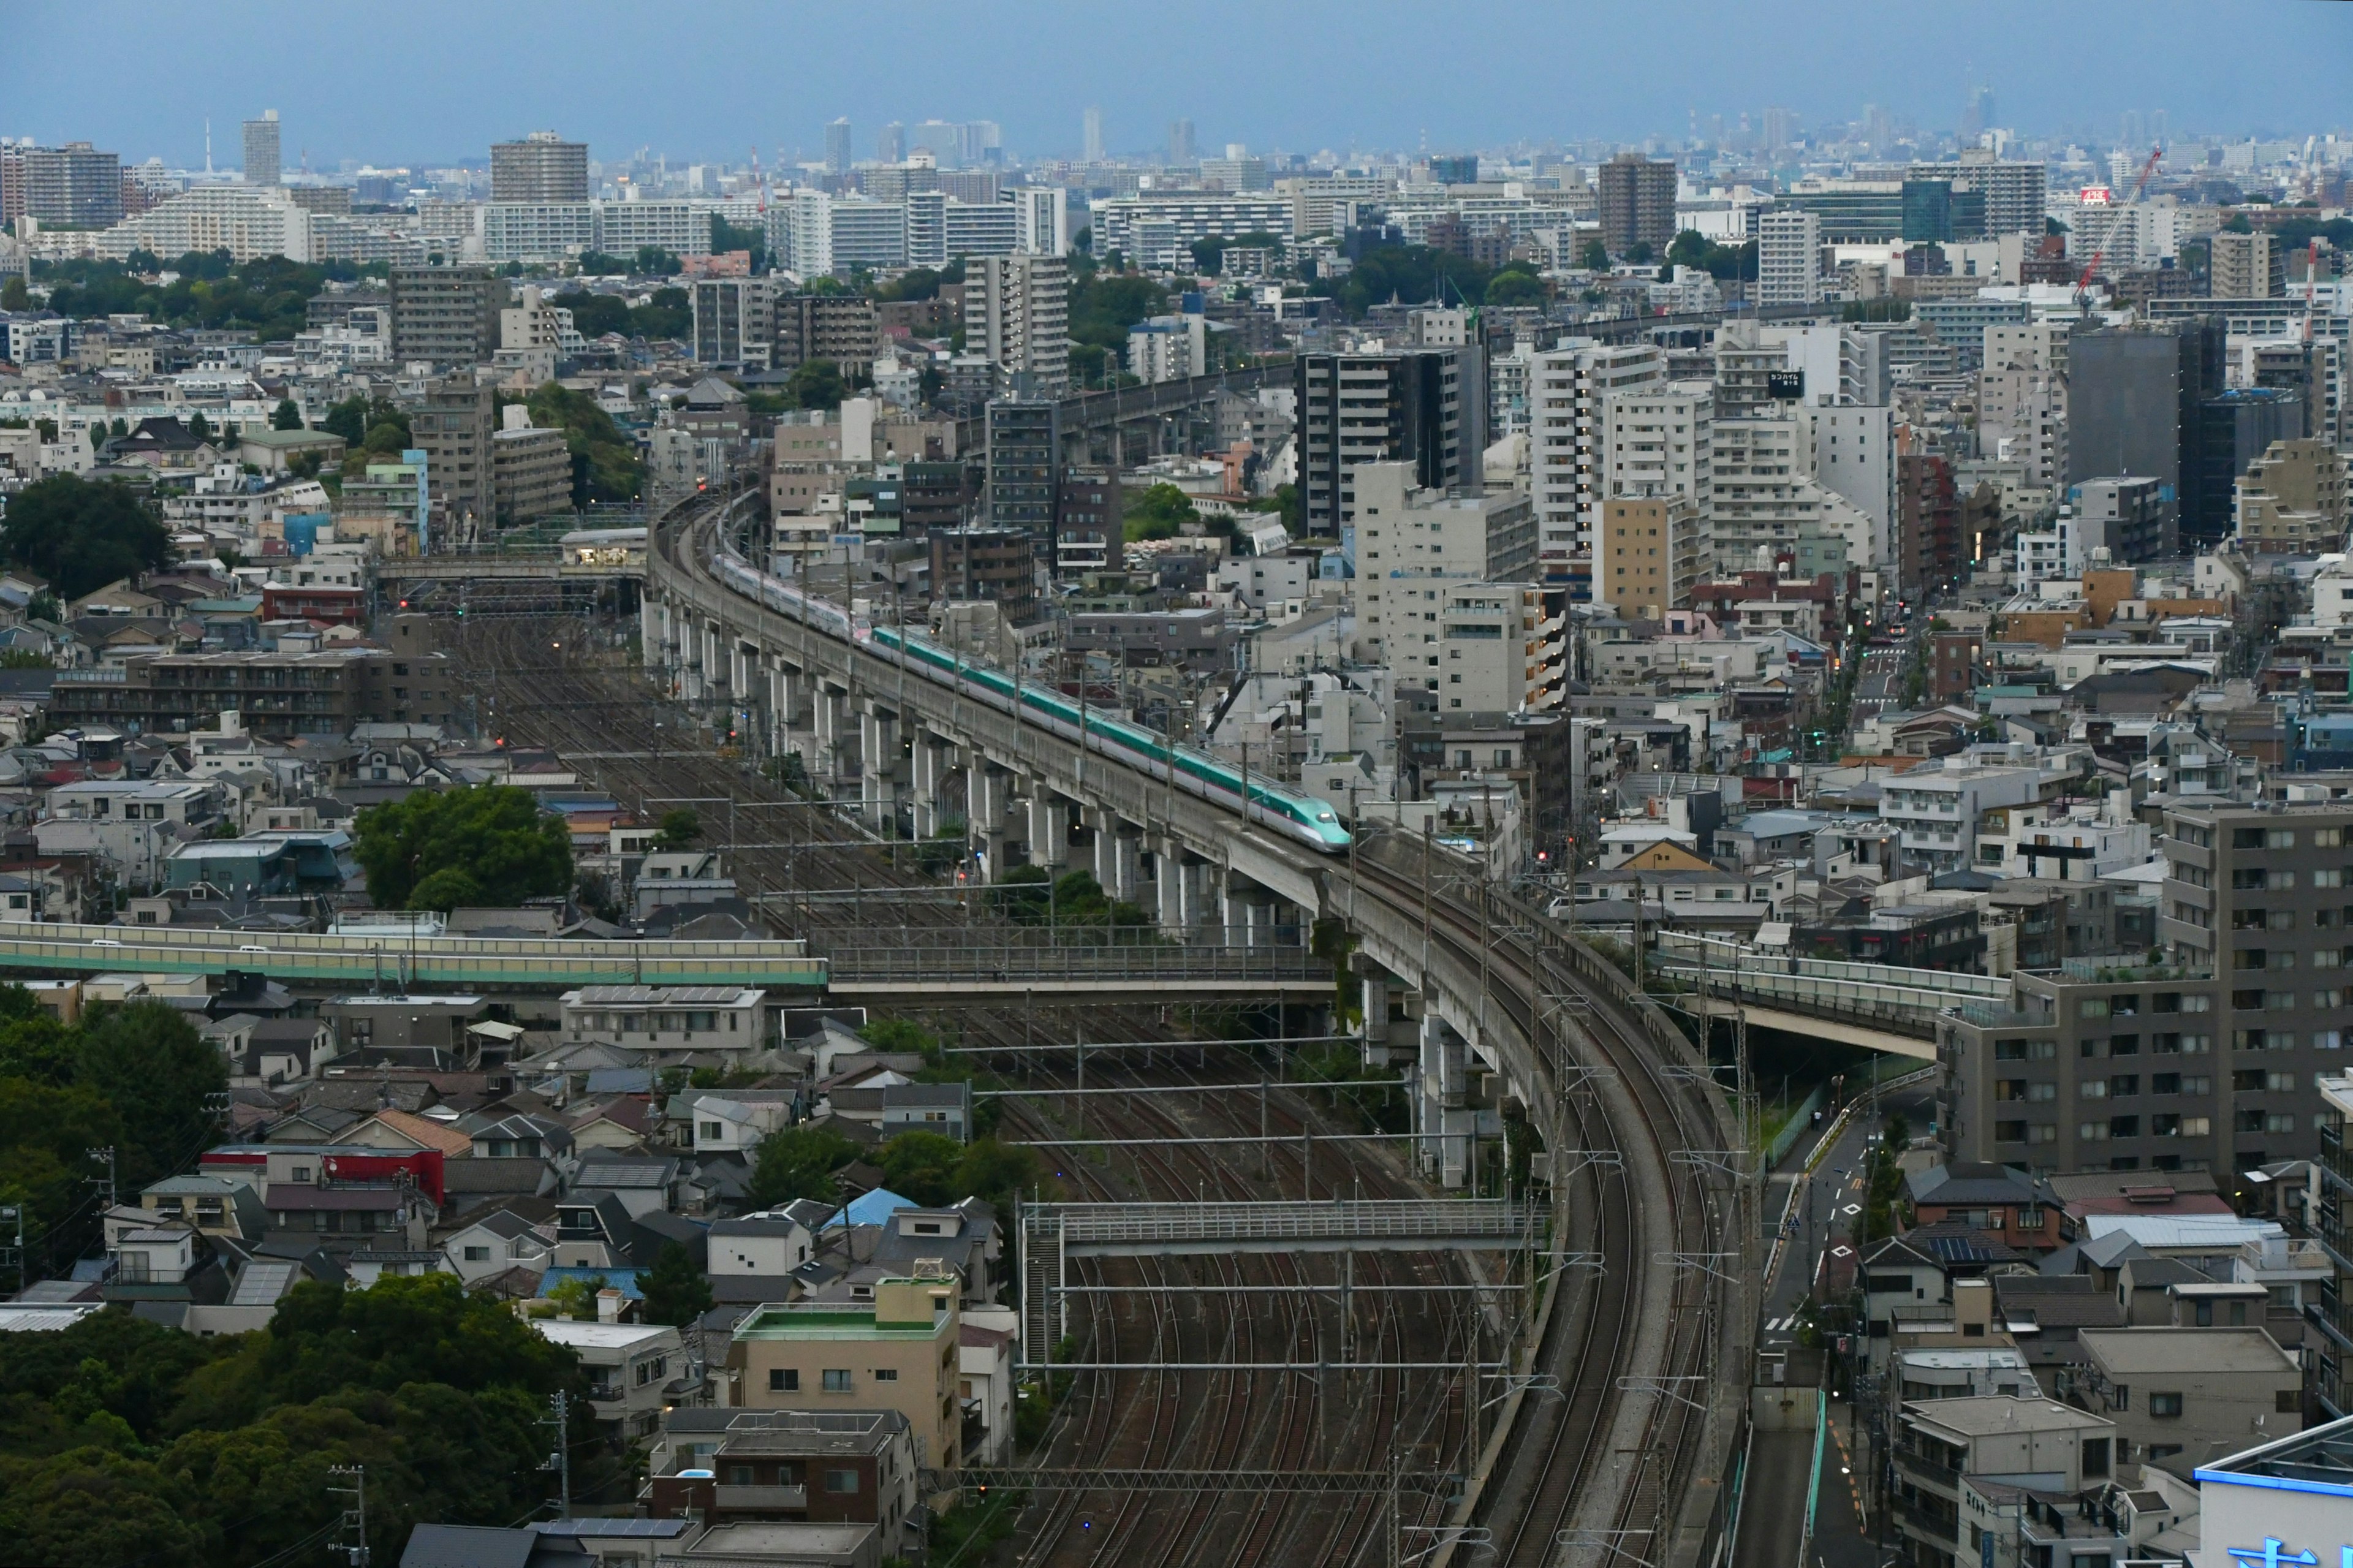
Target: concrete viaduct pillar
(877,777)
(927,769)
(1050,828)
(987,792)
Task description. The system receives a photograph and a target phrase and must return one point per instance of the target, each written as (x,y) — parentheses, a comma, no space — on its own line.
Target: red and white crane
(2083,284)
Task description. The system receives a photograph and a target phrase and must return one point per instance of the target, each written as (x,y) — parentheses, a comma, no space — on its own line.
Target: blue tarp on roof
(874,1209)
(620,1080)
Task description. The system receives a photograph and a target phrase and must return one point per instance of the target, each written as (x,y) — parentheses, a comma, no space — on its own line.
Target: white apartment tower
(1044,228)
(1788,259)
(1566,388)
(2022,400)
(1661,441)
(1017,311)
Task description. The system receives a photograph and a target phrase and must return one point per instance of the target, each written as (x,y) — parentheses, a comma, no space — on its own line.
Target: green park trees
(490,844)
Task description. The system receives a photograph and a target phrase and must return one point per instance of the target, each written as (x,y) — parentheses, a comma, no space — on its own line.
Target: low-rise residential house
(633,1368)
(668,1018)
(733,1121)
(900,1352)
(497,1242)
(133,825)
(768,1245)
(345,1217)
(2002,1200)
(839,1466)
(407,1030)
(985,1388)
(2177,1390)
(1940,1446)
(215,1207)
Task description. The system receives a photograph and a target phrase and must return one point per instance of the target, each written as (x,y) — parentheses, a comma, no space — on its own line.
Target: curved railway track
(1645,1347)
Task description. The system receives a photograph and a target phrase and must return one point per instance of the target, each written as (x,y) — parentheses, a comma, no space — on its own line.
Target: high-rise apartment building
(1659,441)
(1412,540)
(1043,225)
(1421,406)
(1091,136)
(1649,554)
(1788,259)
(1567,385)
(531,469)
(2206,1063)
(1851,450)
(541,168)
(2014,193)
(453,427)
(843,328)
(1024,461)
(2022,400)
(72,186)
(1181,148)
(1761,494)
(838,154)
(2292,499)
(1638,204)
(2245,267)
(891,142)
(261,152)
(735,321)
(1017,310)
(446,315)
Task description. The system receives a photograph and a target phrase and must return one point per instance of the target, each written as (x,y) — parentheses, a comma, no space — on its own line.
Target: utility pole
(560,1417)
(355,1517)
(13,1254)
(105,1182)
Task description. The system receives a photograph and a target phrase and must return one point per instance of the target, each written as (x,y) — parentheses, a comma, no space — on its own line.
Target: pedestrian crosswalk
(1782,1325)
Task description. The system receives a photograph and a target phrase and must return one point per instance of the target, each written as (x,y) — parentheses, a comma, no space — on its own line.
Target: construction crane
(2083,284)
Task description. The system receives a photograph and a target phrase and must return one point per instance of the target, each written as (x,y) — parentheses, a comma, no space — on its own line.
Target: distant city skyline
(1302,78)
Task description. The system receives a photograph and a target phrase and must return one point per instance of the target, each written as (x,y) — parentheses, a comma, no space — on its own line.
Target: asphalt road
(1876,688)
(1819,1223)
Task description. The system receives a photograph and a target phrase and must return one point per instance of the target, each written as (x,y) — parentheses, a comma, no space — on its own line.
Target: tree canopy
(605,463)
(137,1080)
(1158,512)
(490,844)
(127,1442)
(799,1162)
(676,1291)
(815,383)
(269,296)
(80,535)
(286,415)
(1724,262)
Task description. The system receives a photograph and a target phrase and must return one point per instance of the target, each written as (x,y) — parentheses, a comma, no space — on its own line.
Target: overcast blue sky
(425,80)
